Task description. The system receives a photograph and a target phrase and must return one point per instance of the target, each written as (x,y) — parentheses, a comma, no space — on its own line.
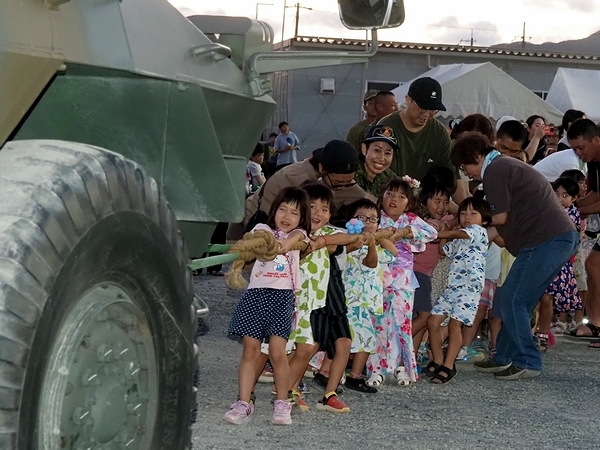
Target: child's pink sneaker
(282,412)
(239,413)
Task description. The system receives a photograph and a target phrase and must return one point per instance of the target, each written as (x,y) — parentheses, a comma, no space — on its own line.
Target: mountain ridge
(588,46)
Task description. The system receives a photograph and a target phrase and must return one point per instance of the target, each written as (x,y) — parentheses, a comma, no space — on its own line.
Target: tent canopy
(576,89)
(485,89)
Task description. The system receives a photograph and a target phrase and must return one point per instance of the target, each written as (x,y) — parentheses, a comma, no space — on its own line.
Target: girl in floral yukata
(563,291)
(395,354)
(363,280)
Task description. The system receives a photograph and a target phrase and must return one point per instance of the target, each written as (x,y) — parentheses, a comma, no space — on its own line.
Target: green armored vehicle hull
(124,129)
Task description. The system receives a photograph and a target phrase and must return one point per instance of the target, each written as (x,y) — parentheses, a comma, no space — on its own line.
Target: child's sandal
(401,376)
(560,327)
(376,380)
(443,375)
(543,341)
(359,385)
(431,369)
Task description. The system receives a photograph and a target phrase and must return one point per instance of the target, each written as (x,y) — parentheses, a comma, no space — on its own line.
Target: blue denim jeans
(532,272)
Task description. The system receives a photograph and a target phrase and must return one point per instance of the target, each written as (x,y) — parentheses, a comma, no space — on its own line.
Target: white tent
(483,88)
(576,89)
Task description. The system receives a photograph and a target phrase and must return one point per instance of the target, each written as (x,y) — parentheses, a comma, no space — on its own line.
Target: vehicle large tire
(96,315)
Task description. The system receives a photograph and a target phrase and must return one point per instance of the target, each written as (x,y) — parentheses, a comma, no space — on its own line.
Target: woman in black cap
(378,150)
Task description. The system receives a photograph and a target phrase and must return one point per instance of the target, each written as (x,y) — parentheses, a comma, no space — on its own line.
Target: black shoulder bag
(259,216)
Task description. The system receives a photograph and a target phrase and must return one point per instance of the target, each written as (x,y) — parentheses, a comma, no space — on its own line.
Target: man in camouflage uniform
(356,133)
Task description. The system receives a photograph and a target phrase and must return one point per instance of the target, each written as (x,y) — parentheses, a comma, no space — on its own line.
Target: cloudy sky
(434,21)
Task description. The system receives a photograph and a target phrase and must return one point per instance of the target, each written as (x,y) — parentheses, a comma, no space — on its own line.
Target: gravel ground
(557,410)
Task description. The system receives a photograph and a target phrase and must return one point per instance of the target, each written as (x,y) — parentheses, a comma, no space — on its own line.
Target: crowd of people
(363,226)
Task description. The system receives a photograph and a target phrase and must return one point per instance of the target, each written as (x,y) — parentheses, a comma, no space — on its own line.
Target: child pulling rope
(263,246)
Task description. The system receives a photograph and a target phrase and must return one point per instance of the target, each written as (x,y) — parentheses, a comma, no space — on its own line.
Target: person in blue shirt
(286,146)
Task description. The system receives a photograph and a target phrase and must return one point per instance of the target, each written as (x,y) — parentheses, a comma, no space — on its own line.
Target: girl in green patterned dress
(315,269)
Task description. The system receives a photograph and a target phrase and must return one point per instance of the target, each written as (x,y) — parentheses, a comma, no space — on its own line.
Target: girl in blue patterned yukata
(395,354)
(467,251)
(363,280)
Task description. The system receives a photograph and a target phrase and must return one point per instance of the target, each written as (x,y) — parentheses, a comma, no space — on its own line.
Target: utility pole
(523,37)
(283,23)
(298,17)
(468,40)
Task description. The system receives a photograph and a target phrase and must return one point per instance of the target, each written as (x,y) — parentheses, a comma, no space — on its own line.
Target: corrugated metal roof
(448,48)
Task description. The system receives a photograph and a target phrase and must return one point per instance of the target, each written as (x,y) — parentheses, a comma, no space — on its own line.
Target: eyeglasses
(335,186)
(363,218)
(431,112)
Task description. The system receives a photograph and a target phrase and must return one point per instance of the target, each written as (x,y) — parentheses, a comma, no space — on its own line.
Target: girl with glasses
(363,280)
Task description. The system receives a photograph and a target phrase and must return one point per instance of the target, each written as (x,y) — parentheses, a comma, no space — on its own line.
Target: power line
(428,25)
(462,28)
(523,38)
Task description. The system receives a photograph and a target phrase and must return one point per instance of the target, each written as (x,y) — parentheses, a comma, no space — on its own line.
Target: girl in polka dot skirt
(265,311)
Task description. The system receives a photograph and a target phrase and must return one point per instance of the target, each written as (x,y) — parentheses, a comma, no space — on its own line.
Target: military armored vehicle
(122,127)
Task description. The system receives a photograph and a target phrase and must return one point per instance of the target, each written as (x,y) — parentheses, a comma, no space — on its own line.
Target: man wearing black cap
(335,165)
(356,133)
(423,141)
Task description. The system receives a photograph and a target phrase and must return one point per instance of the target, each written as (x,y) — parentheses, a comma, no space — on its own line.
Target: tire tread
(54,192)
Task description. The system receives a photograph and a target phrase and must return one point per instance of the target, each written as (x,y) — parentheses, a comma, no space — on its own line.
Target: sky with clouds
(434,21)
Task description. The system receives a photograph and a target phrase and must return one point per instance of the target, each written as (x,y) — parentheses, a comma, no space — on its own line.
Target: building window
(541,94)
(327,85)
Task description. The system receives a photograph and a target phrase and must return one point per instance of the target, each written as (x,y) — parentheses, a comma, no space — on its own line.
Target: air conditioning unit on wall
(327,86)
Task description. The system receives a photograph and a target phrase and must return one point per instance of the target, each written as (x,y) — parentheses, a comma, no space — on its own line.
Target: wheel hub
(101,386)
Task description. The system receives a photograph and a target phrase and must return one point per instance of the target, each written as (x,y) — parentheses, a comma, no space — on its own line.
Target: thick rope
(382,234)
(263,246)
(260,245)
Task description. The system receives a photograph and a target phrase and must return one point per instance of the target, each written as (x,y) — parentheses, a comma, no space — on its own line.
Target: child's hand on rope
(260,245)
(317,242)
(399,233)
(368,238)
